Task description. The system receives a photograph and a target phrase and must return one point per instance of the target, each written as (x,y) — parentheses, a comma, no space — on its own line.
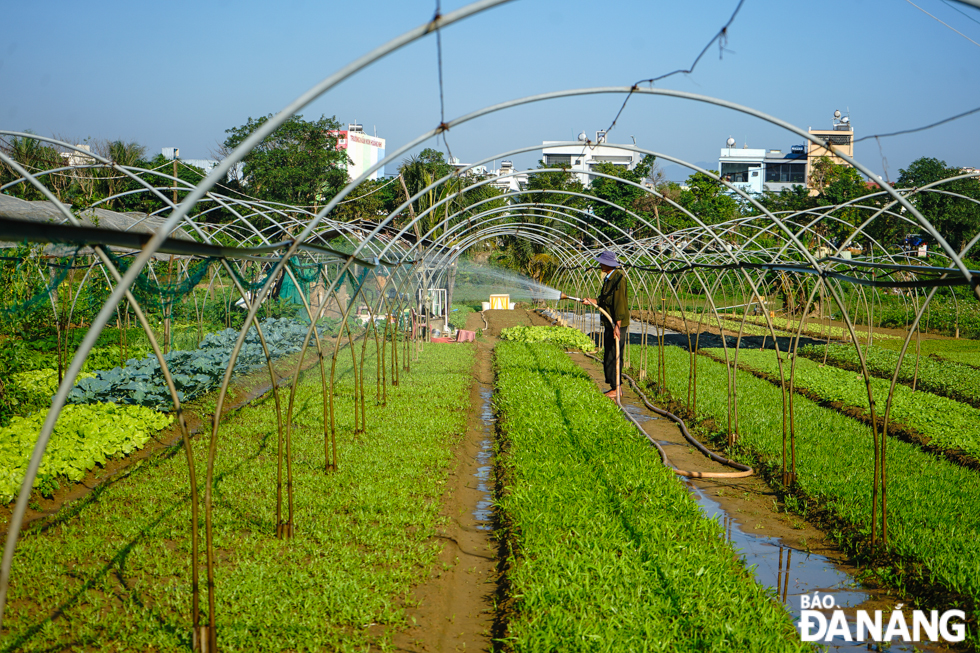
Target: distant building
(207,165)
(474,171)
(754,171)
(841,136)
(75,158)
(364,151)
(514,182)
(580,159)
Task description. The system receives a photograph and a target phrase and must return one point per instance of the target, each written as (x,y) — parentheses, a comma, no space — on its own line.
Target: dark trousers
(609,355)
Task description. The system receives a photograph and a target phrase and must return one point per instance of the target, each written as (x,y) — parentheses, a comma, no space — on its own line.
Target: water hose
(745,470)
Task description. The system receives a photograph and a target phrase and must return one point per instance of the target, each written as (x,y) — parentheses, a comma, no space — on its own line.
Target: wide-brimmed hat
(608,258)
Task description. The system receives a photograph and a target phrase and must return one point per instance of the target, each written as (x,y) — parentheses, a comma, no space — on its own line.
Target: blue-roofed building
(758,170)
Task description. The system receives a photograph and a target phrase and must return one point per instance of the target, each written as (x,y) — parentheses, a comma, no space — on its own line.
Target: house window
(735,172)
(555,160)
(786,173)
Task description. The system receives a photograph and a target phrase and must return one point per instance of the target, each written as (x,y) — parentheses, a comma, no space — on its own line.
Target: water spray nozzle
(574,299)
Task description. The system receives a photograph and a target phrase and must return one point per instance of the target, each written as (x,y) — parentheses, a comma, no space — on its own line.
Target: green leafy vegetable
(84,436)
(606,547)
(566,337)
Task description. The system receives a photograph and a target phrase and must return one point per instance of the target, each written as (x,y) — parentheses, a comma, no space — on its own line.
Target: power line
(961,11)
(919,129)
(721,38)
(946,24)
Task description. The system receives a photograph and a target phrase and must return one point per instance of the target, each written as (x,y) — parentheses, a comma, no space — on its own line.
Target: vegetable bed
(933,505)
(84,436)
(116,575)
(607,550)
(194,372)
(565,337)
(948,423)
(941,377)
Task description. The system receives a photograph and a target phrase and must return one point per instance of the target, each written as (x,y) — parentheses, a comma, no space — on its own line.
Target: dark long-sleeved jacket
(612,298)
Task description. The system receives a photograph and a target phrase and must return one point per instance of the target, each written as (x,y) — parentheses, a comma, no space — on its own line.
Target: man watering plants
(612,299)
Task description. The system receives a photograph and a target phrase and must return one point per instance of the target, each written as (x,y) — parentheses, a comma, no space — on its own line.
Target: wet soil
(791,555)
(198,416)
(454,607)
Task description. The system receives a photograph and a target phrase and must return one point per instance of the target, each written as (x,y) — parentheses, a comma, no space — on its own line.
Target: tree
(955,218)
(297,164)
(34,156)
(839,184)
(657,202)
(539,185)
(619,194)
(708,200)
(109,182)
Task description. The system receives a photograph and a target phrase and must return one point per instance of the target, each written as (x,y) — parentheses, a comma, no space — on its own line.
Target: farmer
(612,299)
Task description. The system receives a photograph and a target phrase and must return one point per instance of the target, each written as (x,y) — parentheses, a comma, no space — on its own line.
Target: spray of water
(476,282)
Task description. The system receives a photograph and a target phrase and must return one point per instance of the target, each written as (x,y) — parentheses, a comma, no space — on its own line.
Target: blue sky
(180,73)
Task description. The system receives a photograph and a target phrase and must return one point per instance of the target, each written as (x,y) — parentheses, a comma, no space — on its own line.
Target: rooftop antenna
(730,142)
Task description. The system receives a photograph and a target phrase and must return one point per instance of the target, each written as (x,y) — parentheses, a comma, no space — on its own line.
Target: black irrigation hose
(745,469)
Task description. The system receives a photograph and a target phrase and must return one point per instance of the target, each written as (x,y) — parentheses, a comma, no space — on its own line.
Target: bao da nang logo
(926,625)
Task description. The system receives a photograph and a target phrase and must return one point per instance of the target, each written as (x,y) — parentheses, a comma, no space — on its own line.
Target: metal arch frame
(127,279)
(353,68)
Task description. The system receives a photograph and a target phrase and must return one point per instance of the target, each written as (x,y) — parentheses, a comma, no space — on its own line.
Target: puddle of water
(792,573)
(483,514)
(638,413)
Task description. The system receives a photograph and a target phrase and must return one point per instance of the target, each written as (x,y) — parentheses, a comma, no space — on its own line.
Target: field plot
(939,376)
(113,573)
(949,424)
(934,505)
(606,549)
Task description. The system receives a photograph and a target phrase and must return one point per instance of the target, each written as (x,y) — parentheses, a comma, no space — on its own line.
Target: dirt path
(454,610)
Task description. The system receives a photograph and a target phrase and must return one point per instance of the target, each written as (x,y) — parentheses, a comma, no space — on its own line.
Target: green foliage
(932,503)
(365,534)
(457,317)
(194,372)
(791,200)
(708,200)
(565,337)
(942,377)
(298,163)
(33,389)
(606,548)
(34,156)
(84,436)
(955,218)
(623,195)
(943,316)
(948,423)
(456,193)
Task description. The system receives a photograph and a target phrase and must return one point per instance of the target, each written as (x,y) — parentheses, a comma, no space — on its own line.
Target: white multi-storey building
(364,151)
(580,159)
